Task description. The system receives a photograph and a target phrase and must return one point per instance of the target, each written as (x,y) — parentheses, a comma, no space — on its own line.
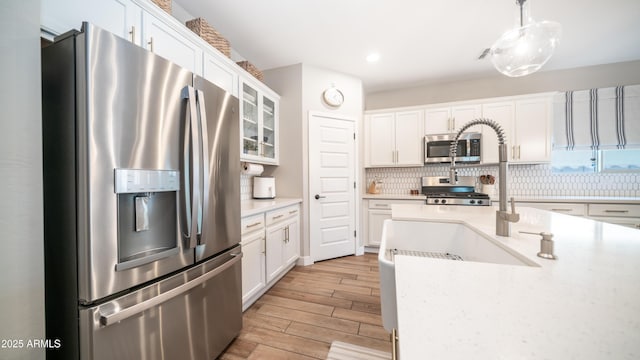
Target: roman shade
(597,119)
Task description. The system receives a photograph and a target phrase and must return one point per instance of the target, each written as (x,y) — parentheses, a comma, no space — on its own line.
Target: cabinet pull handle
(150,43)
(293,211)
(381,205)
(565,210)
(453,121)
(518,152)
(277,217)
(617,211)
(133,34)
(394,344)
(254,224)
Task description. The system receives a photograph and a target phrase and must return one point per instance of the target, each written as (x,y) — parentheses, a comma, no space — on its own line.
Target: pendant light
(526,48)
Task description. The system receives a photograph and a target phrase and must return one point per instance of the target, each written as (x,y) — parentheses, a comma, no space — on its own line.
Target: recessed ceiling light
(373,57)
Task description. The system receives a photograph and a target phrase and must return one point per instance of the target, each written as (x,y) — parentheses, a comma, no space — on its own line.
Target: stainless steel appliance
(264,187)
(440,191)
(469,149)
(141,193)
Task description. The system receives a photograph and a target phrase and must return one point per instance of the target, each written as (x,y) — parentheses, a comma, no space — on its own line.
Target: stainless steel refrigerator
(142,204)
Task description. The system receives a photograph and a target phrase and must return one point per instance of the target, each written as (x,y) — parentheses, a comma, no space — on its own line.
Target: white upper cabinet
(394,139)
(526,122)
(121,17)
(382,142)
(163,40)
(219,73)
(502,113)
(533,130)
(259,123)
(448,119)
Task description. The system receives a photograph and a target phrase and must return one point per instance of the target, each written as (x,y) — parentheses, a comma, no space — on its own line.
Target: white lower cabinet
(375,212)
(253,264)
(270,247)
(563,208)
(282,247)
(621,214)
(376,219)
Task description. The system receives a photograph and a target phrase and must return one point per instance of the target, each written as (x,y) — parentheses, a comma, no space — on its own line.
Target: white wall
(626,73)
(301,87)
(21,219)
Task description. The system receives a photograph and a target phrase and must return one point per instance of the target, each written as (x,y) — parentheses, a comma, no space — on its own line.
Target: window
(620,160)
(591,161)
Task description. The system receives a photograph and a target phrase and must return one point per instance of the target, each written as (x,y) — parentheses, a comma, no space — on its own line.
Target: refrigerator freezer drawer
(192,315)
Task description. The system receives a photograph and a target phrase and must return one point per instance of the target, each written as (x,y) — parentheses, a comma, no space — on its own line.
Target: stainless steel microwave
(469,150)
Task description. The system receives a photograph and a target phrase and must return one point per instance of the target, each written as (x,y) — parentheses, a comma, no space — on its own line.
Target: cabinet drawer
(282,214)
(386,204)
(614,210)
(252,223)
(563,208)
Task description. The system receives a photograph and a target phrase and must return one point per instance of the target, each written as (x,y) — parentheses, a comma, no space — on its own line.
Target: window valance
(599,119)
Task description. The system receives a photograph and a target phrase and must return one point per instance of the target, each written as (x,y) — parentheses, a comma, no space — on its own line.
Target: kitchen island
(584,305)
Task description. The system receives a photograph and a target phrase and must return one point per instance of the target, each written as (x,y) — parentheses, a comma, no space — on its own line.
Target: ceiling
(420,41)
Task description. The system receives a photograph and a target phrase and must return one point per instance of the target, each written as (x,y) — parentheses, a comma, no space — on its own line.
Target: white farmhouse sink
(425,238)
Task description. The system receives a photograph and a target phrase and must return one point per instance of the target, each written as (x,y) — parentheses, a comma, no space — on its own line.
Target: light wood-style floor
(310,307)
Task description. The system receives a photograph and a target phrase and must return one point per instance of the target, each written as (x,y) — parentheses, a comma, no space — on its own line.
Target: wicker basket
(164,5)
(251,69)
(210,35)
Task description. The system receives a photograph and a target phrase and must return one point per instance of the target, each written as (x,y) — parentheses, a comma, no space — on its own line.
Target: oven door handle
(110,319)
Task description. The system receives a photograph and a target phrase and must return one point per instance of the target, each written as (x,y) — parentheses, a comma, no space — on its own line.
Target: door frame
(359,245)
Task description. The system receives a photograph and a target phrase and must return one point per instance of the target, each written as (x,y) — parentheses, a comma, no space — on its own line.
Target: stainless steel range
(440,192)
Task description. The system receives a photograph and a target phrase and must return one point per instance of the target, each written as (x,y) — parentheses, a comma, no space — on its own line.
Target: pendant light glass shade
(525,49)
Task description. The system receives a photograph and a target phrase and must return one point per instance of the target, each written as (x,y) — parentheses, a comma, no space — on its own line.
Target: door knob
(319,197)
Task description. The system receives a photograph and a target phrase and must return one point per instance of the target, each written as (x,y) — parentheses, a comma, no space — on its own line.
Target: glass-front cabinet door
(250,121)
(259,128)
(268,128)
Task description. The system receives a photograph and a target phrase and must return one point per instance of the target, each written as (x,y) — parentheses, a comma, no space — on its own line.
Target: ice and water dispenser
(147,215)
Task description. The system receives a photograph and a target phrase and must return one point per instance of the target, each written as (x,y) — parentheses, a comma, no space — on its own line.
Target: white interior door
(332,174)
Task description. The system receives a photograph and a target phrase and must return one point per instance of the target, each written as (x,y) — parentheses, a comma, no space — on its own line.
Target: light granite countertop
(584,305)
(255,206)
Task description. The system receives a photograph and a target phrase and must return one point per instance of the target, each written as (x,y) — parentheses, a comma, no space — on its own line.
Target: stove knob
(479,202)
(473,201)
(444,201)
(436,201)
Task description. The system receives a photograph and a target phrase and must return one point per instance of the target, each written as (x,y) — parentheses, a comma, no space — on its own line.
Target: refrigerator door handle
(110,319)
(191,171)
(204,165)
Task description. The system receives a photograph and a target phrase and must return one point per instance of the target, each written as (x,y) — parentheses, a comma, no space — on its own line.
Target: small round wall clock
(333,97)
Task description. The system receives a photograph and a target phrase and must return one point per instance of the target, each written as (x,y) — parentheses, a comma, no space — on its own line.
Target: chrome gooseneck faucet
(503,218)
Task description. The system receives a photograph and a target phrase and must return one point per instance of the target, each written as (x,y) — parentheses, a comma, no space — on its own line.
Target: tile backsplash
(524,180)
(246,181)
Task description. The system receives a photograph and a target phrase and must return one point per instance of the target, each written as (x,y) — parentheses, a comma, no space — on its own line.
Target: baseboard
(371,249)
(304,261)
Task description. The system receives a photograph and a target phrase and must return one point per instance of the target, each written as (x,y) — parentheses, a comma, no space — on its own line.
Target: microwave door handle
(204,165)
(190,170)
